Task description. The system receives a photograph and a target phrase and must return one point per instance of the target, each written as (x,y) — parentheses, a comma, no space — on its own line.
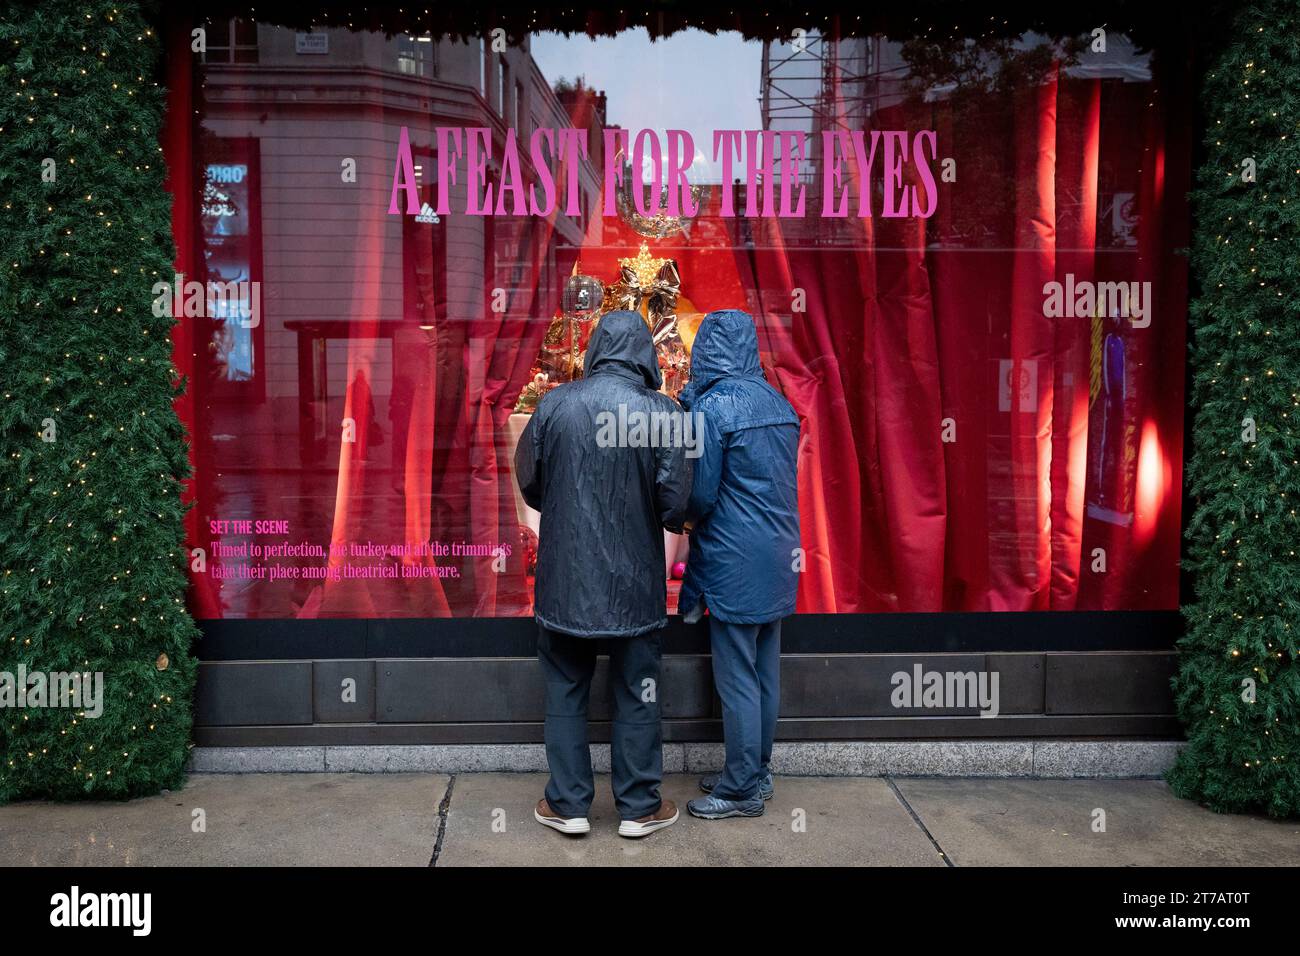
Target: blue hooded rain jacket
(744,504)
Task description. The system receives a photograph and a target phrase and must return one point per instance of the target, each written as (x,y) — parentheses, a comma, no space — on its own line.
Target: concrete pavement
(477,819)
(229,820)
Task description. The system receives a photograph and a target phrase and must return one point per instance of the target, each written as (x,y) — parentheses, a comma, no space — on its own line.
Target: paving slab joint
(444,807)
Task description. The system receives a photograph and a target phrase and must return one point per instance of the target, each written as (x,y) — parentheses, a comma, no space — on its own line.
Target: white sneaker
(665,816)
(544,815)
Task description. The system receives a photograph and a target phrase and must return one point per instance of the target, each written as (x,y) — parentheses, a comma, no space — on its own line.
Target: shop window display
(960,255)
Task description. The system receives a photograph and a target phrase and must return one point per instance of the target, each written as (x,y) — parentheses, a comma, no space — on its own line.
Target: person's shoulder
(660,402)
(773,408)
(546,402)
(747,401)
(723,394)
(552,400)
(783,404)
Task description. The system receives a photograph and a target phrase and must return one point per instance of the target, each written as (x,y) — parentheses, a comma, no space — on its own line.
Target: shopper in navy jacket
(600,571)
(744,516)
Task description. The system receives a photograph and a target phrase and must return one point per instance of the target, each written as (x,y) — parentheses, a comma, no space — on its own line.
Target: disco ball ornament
(583,294)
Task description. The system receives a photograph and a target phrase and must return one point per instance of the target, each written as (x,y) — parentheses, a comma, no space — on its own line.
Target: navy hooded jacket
(604,504)
(744,504)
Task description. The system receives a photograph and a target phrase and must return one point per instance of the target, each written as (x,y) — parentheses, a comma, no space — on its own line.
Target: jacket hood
(622,341)
(725,345)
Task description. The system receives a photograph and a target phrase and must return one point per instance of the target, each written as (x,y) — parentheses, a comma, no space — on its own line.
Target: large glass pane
(960,255)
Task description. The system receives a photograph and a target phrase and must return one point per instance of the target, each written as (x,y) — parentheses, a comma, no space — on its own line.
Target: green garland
(1238,687)
(92,559)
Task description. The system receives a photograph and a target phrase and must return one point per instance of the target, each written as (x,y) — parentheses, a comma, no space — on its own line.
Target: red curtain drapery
(930,382)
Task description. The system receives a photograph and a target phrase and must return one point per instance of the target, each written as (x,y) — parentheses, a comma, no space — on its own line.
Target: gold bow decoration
(644,279)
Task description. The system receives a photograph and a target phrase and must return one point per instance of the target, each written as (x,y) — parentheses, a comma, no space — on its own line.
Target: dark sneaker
(766,788)
(665,816)
(549,818)
(715,808)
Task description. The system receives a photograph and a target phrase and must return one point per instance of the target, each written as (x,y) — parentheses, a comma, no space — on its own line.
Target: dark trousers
(747,674)
(636,741)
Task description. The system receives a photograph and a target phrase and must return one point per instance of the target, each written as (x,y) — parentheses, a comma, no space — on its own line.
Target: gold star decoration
(645,266)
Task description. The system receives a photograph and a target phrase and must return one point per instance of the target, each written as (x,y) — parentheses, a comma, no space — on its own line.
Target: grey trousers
(636,741)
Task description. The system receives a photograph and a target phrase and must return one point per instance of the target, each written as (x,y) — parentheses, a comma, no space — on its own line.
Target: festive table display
(646,283)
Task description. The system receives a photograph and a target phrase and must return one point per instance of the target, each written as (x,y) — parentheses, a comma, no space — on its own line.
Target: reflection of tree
(998,65)
(577,85)
(977,80)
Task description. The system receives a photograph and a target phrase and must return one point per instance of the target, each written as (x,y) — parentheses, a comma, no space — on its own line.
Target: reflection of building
(290,108)
(372,326)
(584,108)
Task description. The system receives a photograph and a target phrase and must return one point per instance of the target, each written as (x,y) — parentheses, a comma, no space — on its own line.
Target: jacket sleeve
(672,485)
(528,462)
(708,472)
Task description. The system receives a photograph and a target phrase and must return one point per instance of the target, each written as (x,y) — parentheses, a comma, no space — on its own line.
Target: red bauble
(528,541)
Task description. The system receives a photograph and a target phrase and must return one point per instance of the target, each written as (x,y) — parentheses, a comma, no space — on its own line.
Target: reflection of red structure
(374,326)
(919,489)
(1154,482)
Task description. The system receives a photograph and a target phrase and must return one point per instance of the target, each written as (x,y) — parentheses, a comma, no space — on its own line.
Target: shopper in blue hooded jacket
(744,517)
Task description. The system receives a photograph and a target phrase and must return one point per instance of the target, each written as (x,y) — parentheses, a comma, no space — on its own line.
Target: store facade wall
(990,469)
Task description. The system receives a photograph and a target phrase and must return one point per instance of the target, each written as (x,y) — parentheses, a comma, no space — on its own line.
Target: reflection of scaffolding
(812,84)
(826,83)
(815,83)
